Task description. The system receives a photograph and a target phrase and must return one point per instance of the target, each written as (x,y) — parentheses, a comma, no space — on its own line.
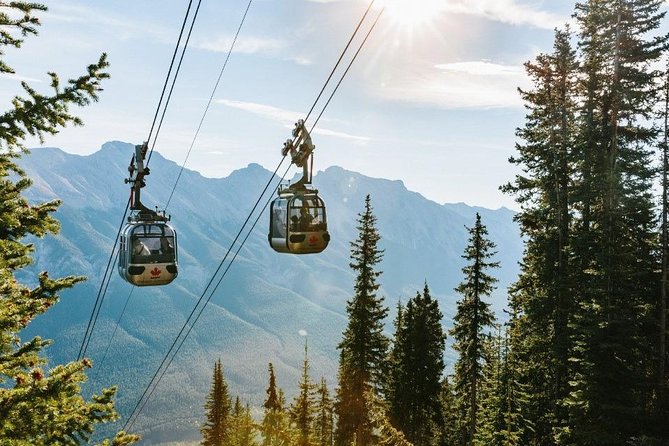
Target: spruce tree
(363,348)
(38,405)
(243,430)
(324,418)
(302,412)
(414,397)
(275,428)
(216,428)
(473,318)
(547,191)
(615,331)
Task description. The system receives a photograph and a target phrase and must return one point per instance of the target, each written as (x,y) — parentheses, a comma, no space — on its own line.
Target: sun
(412,13)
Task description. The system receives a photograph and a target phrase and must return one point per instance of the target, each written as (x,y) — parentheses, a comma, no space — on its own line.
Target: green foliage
(302,411)
(363,347)
(584,335)
(276,429)
(324,418)
(473,318)
(216,428)
(414,398)
(38,406)
(243,430)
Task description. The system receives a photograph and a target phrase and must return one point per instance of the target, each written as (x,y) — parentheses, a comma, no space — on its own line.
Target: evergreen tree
(615,329)
(38,406)
(414,397)
(275,427)
(449,431)
(547,191)
(216,428)
(472,319)
(302,412)
(364,346)
(324,421)
(243,430)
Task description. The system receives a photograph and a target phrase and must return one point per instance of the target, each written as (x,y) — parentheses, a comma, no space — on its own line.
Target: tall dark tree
(302,411)
(364,346)
(546,192)
(414,398)
(472,319)
(216,428)
(275,427)
(38,406)
(615,328)
(243,430)
(324,418)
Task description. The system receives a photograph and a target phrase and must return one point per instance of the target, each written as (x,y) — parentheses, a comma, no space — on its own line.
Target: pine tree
(243,430)
(216,428)
(38,406)
(414,397)
(324,421)
(364,346)
(275,427)
(473,317)
(614,327)
(302,412)
(449,431)
(547,192)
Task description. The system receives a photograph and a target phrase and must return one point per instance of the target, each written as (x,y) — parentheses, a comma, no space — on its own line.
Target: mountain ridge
(266,298)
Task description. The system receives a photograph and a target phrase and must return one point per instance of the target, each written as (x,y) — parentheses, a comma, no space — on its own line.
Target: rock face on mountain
(265,299)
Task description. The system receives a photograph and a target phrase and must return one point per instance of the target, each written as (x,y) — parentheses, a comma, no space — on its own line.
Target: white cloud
(287,118)
(104,21)
(474,84)
(246,45)
(481,68)
(506,11)
(18,77)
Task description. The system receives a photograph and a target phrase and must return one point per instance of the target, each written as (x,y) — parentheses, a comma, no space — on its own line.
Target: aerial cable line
(136,410)
(347,68)
(107,275)
(341,56)
(129,424)
(103,289)
(169,71)
(198,128)
(169,357)
(174,81)
(211,97)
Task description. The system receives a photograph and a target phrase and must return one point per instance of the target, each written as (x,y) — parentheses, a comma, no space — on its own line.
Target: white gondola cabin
(298,223)
(148,253)
(147,244)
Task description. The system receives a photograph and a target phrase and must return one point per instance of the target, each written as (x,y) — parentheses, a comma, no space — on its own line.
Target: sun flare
(412,13)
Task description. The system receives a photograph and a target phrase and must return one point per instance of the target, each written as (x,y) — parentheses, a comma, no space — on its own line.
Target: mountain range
(265,303)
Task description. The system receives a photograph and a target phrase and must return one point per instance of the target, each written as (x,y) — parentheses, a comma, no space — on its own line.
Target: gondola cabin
(298,224)
(148,253)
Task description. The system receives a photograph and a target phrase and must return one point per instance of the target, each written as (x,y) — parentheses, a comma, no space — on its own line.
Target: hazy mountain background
(265,299)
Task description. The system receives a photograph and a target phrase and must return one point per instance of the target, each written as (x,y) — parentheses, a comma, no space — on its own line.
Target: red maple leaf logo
(155,272)
(313,240)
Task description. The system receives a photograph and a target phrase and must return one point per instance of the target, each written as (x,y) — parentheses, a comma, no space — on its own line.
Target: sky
(430,100)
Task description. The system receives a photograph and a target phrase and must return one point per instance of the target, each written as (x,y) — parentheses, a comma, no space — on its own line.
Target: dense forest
(582,358)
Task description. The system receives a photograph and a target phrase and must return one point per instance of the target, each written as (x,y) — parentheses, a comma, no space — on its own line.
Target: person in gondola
(305,219)
(140,249)
(165,246)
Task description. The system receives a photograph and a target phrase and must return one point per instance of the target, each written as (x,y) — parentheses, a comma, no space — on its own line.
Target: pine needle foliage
(472,320)
(363,349)
(275,428)
(218,405)
(414,397)
(38,405)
